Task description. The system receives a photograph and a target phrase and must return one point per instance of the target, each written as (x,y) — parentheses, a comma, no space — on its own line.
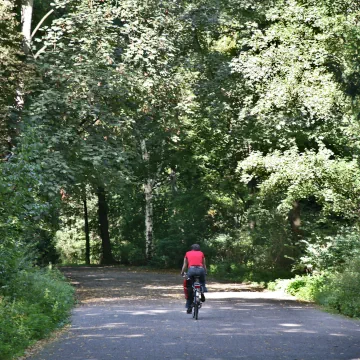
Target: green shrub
(230,271)
(296,284)
(341,290)
(338,291)
(137,256)
(242,272)
(131,254)
(35,303)
(331,252)
(306,287)
(13,334)
(303,287)
(13,258)
(278,284)
(160,262)
(45,288)
(71,247)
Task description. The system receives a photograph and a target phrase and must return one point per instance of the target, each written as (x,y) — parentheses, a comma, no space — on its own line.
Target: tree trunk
(87,233)
(107,258)
(295,220)
(295,223)
(173,181)
(26,18)
(148,191)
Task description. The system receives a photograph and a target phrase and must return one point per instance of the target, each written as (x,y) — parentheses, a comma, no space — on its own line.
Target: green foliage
(325,189)
(341,290)
(291,75)
(336,290)
(230,271)
(294,104)
(332,252)
(292,176)
(306,288)
(203,86)
(249,256)
(46,288)
(278,284)
(136,256)
(13,335)
(241,116)
(33,304)
(70,238)
(70,244)
(11,72)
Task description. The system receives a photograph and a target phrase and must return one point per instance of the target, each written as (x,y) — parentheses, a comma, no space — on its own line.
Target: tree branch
(40,51)
(41,21)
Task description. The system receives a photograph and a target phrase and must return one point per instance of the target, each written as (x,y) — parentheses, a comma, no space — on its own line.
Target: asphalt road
(135,315)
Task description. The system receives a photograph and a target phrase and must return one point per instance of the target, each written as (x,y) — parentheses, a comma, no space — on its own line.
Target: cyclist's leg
(190,299)
(202,282)
(188,302)
(202,279)
(188,305)
(192,272)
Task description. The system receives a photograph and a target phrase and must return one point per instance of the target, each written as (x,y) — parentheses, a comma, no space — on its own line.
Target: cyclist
(194,261)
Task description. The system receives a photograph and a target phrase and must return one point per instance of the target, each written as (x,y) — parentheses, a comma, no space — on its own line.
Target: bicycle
(197,295)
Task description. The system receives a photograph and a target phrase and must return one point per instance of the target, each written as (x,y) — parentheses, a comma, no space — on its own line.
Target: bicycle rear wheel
(196,311)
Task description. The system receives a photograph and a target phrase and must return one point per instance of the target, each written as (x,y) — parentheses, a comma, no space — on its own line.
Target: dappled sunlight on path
(113,284)
(141,316)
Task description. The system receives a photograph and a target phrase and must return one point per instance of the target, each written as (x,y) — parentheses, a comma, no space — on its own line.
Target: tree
(298,99)
(11,71)
(120,108)
(190,117)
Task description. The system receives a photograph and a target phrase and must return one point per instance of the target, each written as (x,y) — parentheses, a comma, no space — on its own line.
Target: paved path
(137,315)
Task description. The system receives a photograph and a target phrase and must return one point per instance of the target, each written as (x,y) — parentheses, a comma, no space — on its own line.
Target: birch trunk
(87,233)
(26,18)
(148,191)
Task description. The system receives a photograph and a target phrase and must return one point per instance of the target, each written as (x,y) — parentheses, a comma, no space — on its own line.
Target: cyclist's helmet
(195,247)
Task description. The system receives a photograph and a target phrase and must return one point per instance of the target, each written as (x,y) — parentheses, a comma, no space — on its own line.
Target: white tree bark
(26,18)
(148,191)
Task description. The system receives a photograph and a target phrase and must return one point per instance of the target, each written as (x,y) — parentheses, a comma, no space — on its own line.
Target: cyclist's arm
(204,265)
(184,265)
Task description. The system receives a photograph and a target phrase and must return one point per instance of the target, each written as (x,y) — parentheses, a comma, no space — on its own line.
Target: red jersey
(195,258)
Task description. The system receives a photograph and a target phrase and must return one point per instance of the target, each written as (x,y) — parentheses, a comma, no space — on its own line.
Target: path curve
(126,314)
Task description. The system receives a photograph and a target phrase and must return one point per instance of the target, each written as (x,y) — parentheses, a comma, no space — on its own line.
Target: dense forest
(130,129)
